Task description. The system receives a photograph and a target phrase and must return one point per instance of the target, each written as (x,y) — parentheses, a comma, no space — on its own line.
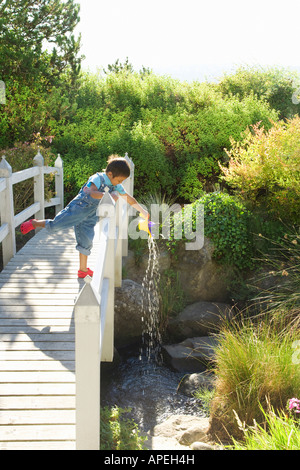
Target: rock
(181,432)
(199,319)
(183,428)
(136,270)
(163,443)
(128,326)
(202,446)
(192,355)
(192,434)
(192,382)
(200,275)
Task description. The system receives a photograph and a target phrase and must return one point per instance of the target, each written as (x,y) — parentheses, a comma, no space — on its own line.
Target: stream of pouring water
(151,337)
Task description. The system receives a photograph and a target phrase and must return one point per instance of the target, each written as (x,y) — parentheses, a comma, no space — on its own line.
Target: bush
(174,132)
(264,169)
(21,157)
(272,84)
(227,224)
(253,365)
(117,432)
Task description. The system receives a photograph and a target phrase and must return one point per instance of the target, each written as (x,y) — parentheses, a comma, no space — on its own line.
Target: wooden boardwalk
(38,289)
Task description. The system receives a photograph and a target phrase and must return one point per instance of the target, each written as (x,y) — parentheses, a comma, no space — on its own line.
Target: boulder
(199,319)
(181,432)
(128,326)
(192,382)
(200,275)
(184,428)
(204,446)
(191,355)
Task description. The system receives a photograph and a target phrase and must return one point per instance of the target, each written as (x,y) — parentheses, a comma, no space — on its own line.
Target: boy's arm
(93,191)
(95,194)
(133,202)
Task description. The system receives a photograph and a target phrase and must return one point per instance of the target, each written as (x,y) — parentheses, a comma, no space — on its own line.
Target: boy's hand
(144,213)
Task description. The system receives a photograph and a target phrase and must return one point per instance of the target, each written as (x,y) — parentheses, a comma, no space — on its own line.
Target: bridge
(55,329)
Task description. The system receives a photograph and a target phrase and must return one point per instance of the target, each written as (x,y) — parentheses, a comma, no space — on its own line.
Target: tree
(118,67)
(26,27)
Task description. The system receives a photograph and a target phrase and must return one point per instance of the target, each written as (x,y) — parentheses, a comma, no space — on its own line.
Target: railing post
(87,360)
(39,187)
(107,209)
(59,184)
(7,212)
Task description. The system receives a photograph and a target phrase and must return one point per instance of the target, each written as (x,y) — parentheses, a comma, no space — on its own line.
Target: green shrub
(174,132)
(264,169)
(275,85)
(227,224)
(21,157)
(117,432)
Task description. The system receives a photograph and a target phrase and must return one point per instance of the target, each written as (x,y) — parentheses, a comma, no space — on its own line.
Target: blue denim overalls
(80,213)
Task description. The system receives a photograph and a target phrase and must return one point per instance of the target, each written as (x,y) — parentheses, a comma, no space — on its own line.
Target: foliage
(275,85)
(25,26)
(41,86)
(227,224)
(264,168)
(279,432)
(282,291)
(118,67)
(253,365)
(21,157)
(117,432)
(174,132)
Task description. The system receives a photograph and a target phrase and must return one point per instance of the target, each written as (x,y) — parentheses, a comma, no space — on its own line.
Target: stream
(142,381)
(148,388)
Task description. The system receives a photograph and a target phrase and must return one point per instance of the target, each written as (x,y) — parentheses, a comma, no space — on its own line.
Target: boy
(80,213)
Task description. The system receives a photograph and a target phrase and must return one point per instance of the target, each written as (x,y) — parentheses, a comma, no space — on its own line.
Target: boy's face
(115,179)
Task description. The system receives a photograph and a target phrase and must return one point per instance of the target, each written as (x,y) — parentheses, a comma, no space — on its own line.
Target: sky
(190,39)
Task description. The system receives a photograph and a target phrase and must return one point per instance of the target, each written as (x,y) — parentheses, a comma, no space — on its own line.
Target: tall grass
(253,365)
(282,297)
(281,432)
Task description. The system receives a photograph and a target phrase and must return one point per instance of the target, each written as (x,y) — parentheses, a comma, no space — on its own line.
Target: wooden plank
(23,175)
(37,377)
(31,336)
(37,323)
(64,402)
(17,417)
(38,445)
(49,366)
(45,302)
(37,432)
(40,345)
(29,329)
(36,355)
(37,389)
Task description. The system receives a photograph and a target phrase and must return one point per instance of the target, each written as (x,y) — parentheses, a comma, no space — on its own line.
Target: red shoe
(27,227)
(83,274)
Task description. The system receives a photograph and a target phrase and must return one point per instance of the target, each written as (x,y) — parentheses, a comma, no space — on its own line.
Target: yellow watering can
(146,225)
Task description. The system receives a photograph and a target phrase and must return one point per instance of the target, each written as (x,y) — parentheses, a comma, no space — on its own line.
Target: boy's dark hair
(118,166)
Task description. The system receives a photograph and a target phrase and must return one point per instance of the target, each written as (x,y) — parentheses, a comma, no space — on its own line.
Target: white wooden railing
(94,316)
(9,221)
